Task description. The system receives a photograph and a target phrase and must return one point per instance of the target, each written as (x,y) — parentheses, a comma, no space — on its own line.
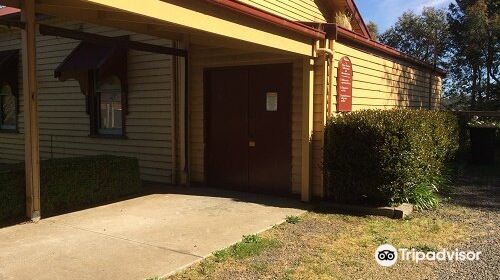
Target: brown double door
(248,113)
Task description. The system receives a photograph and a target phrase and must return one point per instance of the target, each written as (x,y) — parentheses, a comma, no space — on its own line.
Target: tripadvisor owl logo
(386,255)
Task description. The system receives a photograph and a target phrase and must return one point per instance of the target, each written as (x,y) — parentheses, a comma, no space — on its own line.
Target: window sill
(110,136)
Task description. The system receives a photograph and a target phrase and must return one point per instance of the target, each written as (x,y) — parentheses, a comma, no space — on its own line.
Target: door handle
(251,144)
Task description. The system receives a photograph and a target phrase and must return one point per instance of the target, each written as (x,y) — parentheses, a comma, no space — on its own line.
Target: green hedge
(12,194)
(382,157)
(70,183)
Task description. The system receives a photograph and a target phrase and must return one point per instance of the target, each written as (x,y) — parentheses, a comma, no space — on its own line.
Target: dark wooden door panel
(270,128)
(248,141)
(227,128)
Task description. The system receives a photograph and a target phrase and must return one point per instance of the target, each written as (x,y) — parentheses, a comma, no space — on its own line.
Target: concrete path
(149,236)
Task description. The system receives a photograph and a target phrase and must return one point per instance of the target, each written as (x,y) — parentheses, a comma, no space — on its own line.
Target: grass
(424,196)
(250,246)
(332,246)
(292,219)
(324,245)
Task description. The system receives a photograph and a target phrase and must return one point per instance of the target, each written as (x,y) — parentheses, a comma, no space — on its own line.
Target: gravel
(480,196)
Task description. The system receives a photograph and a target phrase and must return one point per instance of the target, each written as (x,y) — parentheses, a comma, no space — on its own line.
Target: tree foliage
(373,29)
(423,36)
(474,68)
(464,41)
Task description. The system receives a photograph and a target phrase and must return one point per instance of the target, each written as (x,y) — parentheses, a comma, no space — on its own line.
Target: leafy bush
(70,183)
(381,157)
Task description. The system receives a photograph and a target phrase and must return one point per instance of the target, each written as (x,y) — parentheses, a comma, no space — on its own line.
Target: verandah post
(31,137)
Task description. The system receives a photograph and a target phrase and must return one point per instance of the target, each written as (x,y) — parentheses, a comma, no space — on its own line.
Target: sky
(386,12)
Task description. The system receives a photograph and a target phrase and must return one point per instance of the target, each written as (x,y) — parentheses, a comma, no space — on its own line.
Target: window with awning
(9,90)
(102,74)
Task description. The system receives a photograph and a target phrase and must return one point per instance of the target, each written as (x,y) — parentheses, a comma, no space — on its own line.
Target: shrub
(70,183)
(12,194)
(384,157)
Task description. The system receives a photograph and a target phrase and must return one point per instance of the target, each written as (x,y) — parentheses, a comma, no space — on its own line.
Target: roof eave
(243,9)
(266,16)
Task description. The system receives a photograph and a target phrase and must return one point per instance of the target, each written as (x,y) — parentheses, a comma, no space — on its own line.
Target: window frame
(94,109)
(98,98)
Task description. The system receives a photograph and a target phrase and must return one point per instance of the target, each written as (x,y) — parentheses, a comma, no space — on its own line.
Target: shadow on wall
(408,87)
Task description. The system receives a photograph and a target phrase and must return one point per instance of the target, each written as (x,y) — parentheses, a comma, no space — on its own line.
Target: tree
(423,36)
(373,29)
(464,40)
(474,64)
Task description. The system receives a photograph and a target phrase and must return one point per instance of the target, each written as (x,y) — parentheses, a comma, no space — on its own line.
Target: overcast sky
(386,12)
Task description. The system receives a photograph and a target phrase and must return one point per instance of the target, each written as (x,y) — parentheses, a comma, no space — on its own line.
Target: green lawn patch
(250,246)
(292,219)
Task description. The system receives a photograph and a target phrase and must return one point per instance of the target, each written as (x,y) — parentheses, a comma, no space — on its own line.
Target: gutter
(270,18)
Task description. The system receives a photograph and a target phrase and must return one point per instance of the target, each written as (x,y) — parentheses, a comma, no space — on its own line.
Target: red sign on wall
(344,85)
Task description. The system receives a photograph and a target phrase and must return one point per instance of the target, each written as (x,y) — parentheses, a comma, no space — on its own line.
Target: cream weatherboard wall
(64,123)
(379,82)
(383,82)
(296,10)
(201,58)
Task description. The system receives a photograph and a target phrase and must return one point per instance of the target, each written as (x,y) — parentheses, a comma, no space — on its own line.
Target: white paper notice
(272,101)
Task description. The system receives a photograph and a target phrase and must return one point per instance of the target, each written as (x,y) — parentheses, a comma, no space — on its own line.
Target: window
(102,74)
(9,90)
(8,109)
(109,98)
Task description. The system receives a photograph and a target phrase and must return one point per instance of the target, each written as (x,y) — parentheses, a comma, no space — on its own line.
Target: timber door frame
(207,118)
